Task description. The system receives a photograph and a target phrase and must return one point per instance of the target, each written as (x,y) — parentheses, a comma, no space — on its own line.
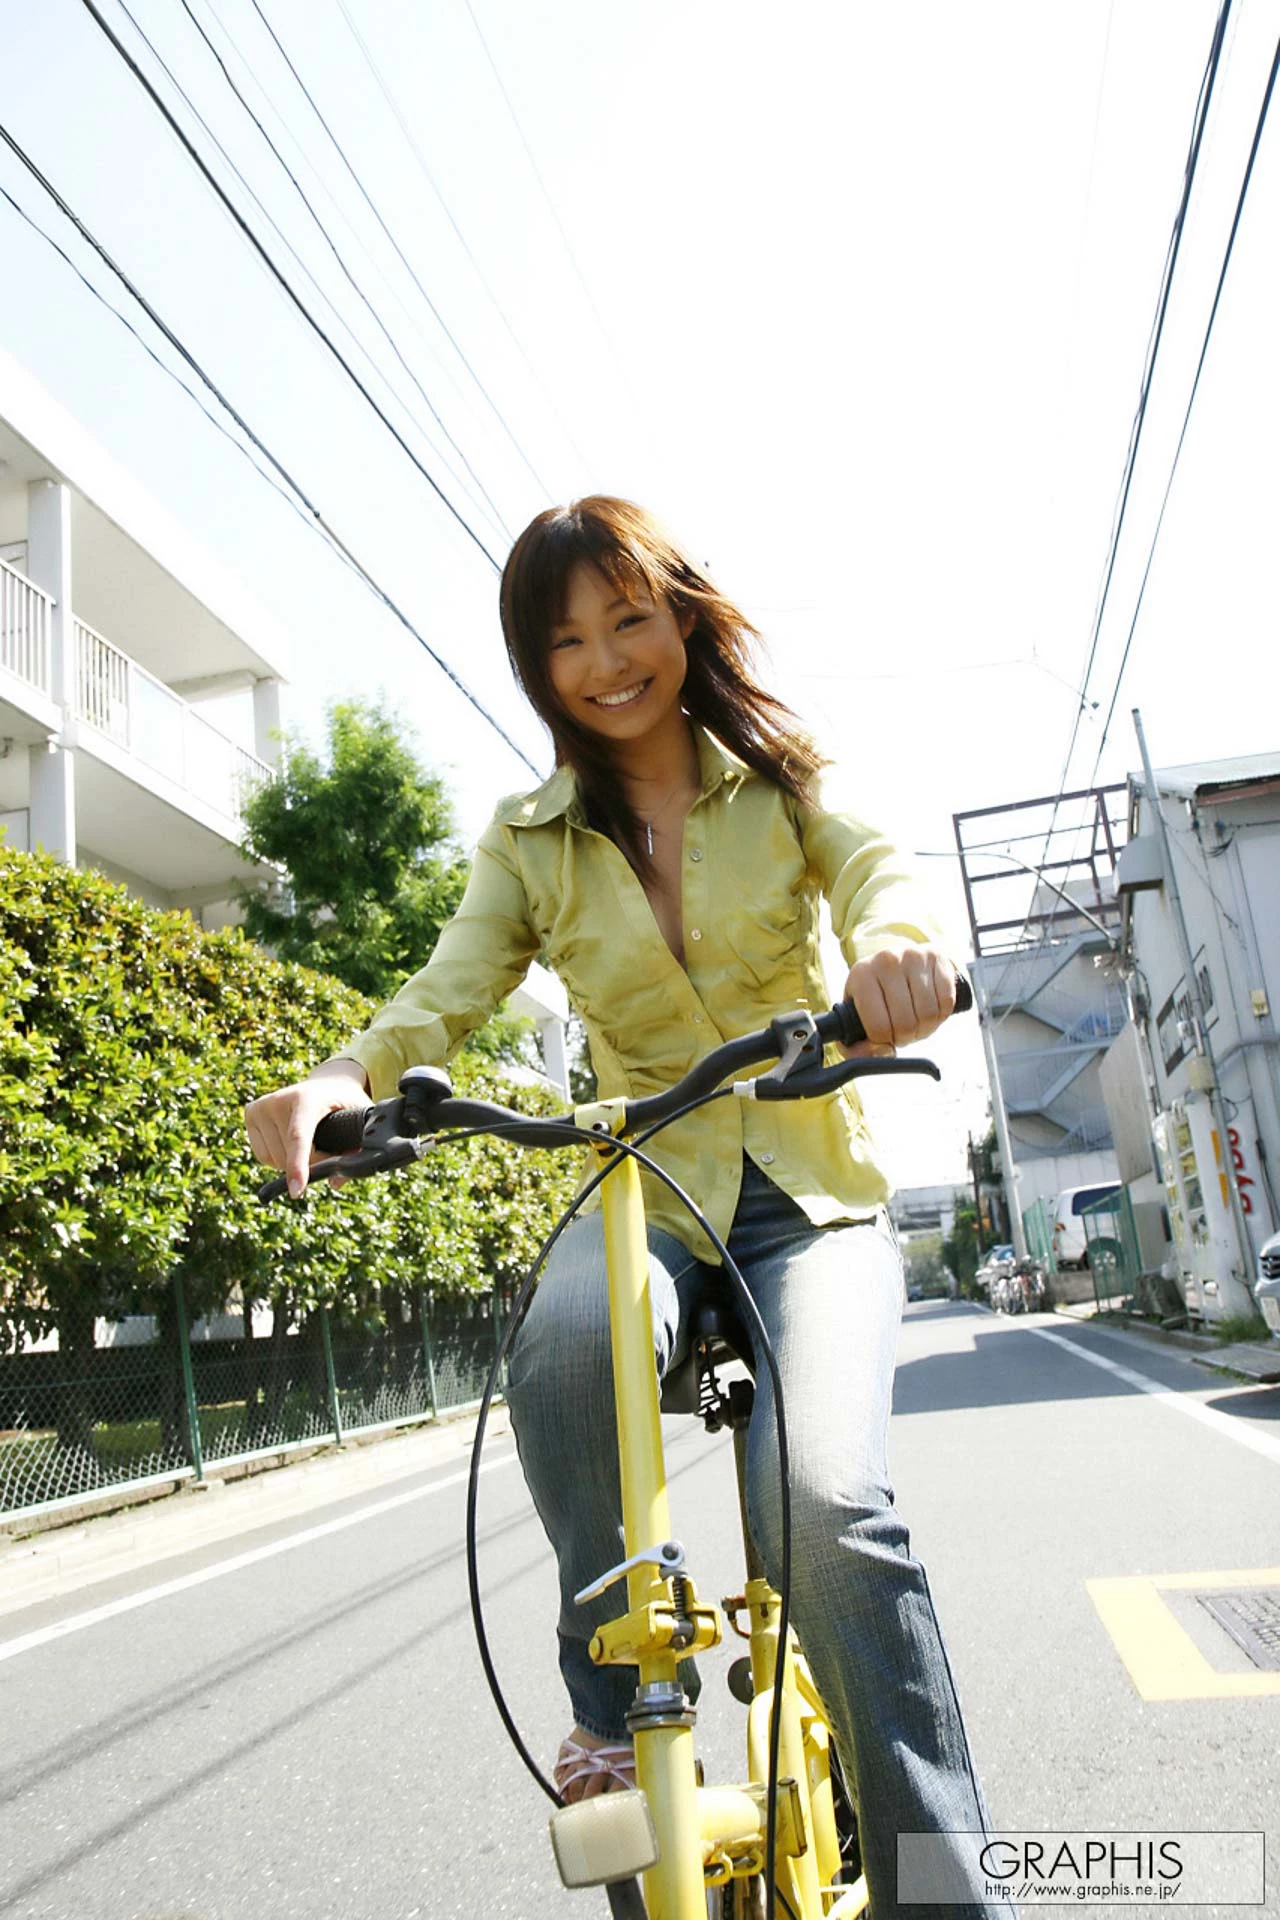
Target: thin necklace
(648,822)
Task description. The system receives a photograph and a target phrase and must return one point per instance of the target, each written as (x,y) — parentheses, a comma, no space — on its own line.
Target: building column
(266,720)
(49,567)
(52,787)
(51,763)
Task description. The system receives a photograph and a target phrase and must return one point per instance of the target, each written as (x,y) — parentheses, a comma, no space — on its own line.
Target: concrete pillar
(266,720)
(49,567)
(51,763)
(52,785)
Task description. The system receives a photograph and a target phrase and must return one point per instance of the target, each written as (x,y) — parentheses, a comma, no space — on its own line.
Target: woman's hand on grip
(281,1125)
(900,997)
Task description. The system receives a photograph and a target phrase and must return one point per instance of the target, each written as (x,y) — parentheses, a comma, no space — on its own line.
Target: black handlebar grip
(844,1023)
(341,1132)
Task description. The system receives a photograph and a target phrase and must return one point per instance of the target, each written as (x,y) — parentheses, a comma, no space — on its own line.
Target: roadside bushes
(129,1042)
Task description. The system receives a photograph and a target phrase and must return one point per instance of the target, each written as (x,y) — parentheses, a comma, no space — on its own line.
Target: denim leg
(560,1392)
(831,1300)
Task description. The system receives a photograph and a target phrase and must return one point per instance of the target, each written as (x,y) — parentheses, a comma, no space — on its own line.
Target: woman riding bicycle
(669,871)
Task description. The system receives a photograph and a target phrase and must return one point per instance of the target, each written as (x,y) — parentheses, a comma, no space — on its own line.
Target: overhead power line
(1148,372)
(347,274)
(1191,400)
(405,263)
(316,518)
(1199,119)
(151,354)
(286,287)
(289,248)
(554,211)
(424,169)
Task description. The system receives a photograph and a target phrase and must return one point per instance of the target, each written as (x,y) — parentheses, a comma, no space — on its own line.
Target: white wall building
(139,685)
(1223,823)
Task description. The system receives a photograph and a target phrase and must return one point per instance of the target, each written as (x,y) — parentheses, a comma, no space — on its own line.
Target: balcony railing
(24,628)
(121,700)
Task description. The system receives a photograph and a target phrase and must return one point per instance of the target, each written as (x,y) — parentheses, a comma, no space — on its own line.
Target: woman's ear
(686,621)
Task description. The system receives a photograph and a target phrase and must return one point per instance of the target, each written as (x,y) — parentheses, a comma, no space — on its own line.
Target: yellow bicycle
(783,1840)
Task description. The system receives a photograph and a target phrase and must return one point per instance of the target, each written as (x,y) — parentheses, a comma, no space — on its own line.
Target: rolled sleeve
(482,955)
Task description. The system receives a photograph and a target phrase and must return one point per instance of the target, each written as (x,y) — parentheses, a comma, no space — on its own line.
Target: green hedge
(129,1043)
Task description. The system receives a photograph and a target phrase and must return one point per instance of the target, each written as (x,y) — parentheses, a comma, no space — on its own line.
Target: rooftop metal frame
(1080,840)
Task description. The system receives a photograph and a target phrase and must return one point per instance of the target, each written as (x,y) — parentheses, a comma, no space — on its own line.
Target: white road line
(75,1622)
(1240,1431)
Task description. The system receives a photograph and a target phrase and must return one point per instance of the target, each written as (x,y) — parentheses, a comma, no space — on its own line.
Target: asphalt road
(294,1723)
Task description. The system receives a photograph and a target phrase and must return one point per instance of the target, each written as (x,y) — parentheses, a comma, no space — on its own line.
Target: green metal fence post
(331,1378)
(497,1328)
(188,1378)
(426,1352)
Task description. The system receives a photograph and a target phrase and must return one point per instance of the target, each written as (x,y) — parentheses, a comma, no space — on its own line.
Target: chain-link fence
(75,1426)
(1115,1258)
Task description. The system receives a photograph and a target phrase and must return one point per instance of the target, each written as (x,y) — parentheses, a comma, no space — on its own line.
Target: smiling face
(617,660)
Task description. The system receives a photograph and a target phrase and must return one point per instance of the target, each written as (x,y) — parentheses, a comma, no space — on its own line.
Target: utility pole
(1001,1118)
(1208,1079)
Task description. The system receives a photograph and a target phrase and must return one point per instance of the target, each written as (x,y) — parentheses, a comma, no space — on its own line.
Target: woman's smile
(623,699)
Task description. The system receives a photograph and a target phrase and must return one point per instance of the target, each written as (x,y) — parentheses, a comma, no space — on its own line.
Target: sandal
(576,1764)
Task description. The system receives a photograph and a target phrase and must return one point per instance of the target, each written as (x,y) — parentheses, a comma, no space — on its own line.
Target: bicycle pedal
(608,1837)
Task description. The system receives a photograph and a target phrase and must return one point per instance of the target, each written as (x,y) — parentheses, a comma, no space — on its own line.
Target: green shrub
(129,1042)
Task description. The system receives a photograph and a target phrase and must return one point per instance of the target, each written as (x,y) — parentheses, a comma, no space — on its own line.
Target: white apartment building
(139,685)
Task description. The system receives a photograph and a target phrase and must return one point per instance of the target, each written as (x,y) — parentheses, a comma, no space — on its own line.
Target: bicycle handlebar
(395,1132)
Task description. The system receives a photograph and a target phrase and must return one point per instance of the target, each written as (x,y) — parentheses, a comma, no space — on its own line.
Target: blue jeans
(831,1301)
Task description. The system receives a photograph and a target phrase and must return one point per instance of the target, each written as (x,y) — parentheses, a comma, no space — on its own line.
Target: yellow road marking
(1163,1660)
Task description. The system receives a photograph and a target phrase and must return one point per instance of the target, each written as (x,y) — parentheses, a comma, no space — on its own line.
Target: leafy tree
(962,1248)
(129,1041)
(367,840)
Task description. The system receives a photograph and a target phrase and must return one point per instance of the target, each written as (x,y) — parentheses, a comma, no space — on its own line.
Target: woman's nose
(611,659)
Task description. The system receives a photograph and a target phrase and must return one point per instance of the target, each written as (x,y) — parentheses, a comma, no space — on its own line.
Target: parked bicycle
(783,1839)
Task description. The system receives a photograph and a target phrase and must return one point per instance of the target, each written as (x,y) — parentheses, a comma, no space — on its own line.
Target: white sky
(870,290)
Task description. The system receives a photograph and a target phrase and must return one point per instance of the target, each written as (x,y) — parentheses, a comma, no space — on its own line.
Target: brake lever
(385,1143)
(811,1082)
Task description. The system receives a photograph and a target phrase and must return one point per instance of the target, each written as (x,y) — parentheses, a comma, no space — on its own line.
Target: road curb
(43,1566)
(1255,1363)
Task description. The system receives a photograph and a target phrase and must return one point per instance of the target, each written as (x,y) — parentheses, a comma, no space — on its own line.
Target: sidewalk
(61,1560)
(1256,1361)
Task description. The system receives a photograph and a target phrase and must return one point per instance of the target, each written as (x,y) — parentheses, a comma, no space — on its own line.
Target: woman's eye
(568,640)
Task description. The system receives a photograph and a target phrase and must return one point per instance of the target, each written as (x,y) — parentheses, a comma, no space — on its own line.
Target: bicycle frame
(686,1839)
(705,1836)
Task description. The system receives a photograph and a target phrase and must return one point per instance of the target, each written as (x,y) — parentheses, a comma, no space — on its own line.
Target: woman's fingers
(281,1126)
(900,997)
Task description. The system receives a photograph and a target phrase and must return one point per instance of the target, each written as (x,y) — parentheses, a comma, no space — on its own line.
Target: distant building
(1044,923)
(139,686)
(924,1209)
(1223,823)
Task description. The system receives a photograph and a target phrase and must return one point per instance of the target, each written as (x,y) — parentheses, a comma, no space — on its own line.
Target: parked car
(995,1266)
(1267,1291)
(1070,1248)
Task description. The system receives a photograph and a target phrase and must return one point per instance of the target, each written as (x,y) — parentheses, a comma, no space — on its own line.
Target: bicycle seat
(711,1334)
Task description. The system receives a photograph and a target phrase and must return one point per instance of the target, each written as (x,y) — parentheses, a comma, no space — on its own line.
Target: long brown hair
(720,691)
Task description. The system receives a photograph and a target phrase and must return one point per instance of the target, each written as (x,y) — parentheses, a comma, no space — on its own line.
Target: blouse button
(696,853)
(766,1159)
(696,933)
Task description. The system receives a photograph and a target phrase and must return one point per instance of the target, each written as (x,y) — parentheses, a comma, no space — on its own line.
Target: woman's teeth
(619,699)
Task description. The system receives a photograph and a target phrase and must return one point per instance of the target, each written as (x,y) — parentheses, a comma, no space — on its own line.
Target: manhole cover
(1251,1615)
